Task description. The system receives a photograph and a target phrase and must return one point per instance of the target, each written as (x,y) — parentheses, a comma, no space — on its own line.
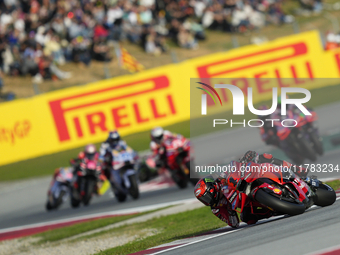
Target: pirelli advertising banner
(72,117)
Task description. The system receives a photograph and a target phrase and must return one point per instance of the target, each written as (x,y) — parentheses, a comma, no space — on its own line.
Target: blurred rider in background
(210,192)
(89,152)
(113,142)
(159,137)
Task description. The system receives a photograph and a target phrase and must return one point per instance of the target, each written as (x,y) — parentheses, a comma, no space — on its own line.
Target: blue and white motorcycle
(123,176)
(59,187)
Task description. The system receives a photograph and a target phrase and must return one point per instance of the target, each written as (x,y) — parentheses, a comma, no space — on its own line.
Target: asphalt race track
(23,203)
(310,232)
(27,205)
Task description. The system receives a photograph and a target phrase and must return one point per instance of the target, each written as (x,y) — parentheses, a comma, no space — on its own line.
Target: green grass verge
(76,229)
(334,184)
(45,165)
(79,228)
(172,227)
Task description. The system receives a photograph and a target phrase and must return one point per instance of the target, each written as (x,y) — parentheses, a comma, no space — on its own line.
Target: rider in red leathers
(159,139)
(90,152)
(217,193)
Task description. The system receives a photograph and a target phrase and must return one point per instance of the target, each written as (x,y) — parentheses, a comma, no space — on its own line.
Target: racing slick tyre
(60,199)
(48,206)
(193,181)
(317,143)
(75,202)
(121,197)
(307,149)
(279,205)
(133,190)
(89,188)
(180,179)
(144,173)
(325,195)
(182,184)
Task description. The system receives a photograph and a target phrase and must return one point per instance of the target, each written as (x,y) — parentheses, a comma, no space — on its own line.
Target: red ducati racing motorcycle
(303,140)
(278,189)
(88,174)
(179,161)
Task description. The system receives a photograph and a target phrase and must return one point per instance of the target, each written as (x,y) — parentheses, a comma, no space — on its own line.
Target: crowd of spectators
(36,36)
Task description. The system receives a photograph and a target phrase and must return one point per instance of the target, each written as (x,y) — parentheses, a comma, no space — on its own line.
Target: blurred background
(46,45)
(71,71)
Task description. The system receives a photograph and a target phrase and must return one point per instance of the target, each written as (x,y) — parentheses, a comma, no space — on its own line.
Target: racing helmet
(113,138)
(90,150)
(206,191)
(157,134)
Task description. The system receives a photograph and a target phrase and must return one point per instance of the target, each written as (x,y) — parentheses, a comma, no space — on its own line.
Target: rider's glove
(248,156)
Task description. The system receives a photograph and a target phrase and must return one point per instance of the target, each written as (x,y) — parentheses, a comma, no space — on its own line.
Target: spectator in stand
(38,35)
(81,50)
(100,49)
(331,42)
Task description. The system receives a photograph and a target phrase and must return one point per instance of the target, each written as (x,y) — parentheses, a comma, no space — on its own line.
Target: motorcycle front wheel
(89,188)
(192,180)
(133,190)
(179,178)
(279,205)
(317,143)
(325,195)
(49,206)
(307,149)
(75,202)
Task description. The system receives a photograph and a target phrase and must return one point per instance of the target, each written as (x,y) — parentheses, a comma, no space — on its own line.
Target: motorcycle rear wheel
(180,179)
(75,202)
(144,173)
(325,195)
(48,206)
(317,144)
(277,205)
(307,149)
(89,188)
(133,190)
(192,180)
(121,197)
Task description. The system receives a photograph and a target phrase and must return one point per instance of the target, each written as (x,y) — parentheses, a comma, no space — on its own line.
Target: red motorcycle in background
(146,168)
(179,160)
(87,176)
(303,140)
(300,141)
(280,191)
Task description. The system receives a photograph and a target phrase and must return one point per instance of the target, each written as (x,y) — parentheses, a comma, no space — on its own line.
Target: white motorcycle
(59,187)
(123,177)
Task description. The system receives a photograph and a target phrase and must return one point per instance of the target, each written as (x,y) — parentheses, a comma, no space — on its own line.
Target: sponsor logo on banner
(19,130)
(72,117)
(117,104)
(265,58)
